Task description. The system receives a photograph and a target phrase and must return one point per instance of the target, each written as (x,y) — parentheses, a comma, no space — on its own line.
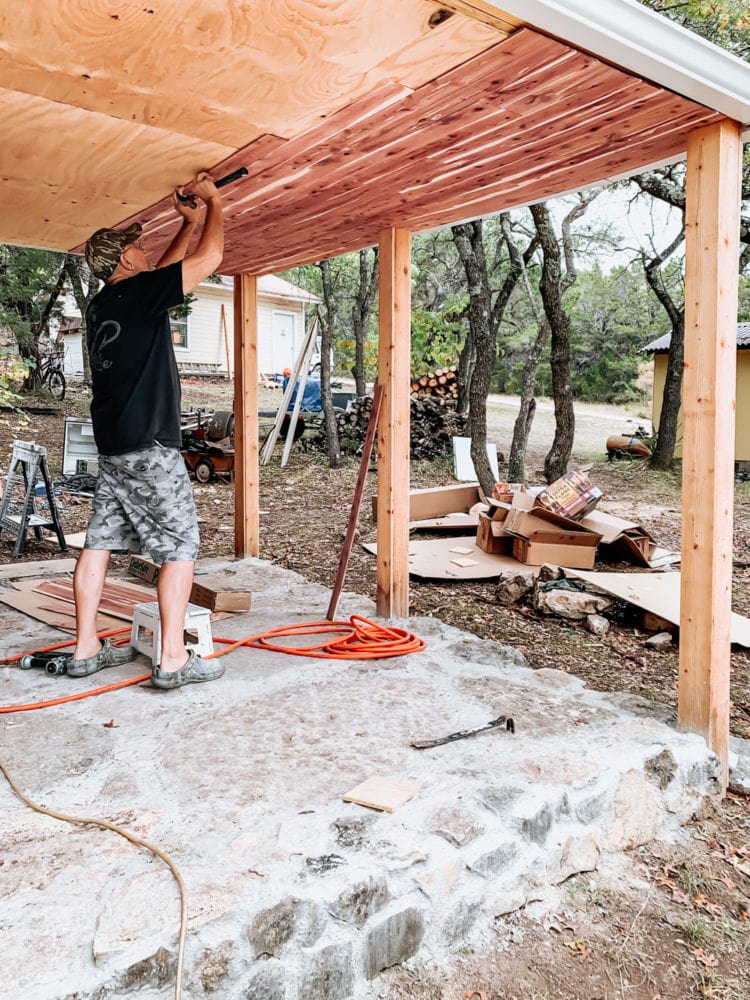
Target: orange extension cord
(359,639)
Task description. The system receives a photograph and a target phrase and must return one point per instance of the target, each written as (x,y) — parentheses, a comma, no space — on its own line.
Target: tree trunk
(485,317)
(33,353)
(364,300)
(526,408)
(466,363)
(557,458)
(327,325)
(83,297)
(666,438)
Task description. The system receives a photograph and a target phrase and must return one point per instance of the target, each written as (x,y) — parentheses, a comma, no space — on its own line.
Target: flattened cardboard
(431,560)
(35,606)
(384,794)
(658,593)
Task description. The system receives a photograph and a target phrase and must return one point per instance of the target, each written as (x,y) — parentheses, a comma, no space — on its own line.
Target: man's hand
(203,187)
(188,211)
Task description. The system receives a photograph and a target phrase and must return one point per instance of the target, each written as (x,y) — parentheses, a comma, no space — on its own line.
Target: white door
(283,341)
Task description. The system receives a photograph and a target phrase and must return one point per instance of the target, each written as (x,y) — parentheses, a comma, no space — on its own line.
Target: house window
(179,325)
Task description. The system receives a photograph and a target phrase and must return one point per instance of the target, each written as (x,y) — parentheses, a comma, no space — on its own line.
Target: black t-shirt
(135,385)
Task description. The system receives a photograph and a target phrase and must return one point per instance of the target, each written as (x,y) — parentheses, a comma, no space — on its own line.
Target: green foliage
(743,314)
(27,278)
(12,373)
(437,336)
(723,22)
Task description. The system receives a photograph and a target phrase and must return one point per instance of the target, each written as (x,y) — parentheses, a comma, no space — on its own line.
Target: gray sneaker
(195,671)
(108,656)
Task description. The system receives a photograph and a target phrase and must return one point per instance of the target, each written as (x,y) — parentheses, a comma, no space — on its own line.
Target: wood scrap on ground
(384,794)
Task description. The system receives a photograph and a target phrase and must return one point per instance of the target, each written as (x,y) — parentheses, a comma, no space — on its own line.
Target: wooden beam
(393,431)
(712,247)
(246,473)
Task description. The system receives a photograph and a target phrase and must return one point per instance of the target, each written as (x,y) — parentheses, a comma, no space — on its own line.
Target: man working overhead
(143,499)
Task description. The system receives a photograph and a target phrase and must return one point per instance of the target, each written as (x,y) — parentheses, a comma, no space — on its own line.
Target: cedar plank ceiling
(351,116)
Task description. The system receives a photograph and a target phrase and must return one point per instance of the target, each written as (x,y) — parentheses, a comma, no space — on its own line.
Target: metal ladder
(27,463)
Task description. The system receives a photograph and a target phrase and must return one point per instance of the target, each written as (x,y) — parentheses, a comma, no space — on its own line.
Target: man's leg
(88,583)
(173,590)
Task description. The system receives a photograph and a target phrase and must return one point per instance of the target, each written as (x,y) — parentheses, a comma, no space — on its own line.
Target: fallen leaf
(470,994)
(707,961)
(110,725)
(743,916)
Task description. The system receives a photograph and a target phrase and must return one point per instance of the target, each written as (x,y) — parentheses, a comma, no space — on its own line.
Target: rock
(578,854)
(273,928)
(460,919)
(573,604)
(156,970)
(661,768)
(537,826)
(597,625)
(547,572)
(267,982)
(512,587)
(328,974)
(739,775)
(636,812)
(493,862)
(498,800)
(662,640)
(358,903)
(457,826)
(325,863)
(393,940)
(352,831)
(212,966)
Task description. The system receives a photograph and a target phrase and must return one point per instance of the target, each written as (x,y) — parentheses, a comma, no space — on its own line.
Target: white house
(203,339)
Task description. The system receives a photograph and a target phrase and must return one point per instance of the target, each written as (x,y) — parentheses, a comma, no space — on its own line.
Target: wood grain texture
(712,248)
(394,317)
(246,462)
(213,76)
(525,120)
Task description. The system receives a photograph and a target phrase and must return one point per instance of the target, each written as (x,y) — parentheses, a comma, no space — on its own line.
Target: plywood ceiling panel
(351,115)
(528,119)
(220,74)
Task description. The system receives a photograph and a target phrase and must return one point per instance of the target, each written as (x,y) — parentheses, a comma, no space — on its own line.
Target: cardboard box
(577,552)
(527,522)
(437,501)
(622,539)
(492,537)
(572,495)
(204,597)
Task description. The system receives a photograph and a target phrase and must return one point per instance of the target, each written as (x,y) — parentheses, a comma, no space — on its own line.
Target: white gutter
(630,35)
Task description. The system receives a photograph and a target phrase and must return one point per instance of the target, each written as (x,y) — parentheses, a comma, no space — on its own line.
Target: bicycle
(51,375)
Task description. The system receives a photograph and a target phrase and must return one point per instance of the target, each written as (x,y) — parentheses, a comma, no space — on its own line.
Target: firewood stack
(433,424)
(441,384)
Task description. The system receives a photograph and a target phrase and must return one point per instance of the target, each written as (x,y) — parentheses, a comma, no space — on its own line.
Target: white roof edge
(630,35)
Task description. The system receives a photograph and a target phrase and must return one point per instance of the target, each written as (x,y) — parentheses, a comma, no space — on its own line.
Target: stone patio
(292,893)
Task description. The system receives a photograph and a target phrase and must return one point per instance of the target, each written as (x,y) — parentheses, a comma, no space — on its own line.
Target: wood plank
(712,246)
(42,567)
(392,598)
(246,465)
(384,794)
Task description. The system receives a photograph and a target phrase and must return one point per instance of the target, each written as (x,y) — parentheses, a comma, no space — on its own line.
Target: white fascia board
(630,35)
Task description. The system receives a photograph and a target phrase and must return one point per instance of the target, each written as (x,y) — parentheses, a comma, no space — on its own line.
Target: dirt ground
(674,923)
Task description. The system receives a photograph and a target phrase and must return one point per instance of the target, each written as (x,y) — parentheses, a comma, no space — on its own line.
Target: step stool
(145,634)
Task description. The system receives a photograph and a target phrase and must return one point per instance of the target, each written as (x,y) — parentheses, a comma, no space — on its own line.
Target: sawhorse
(27,463)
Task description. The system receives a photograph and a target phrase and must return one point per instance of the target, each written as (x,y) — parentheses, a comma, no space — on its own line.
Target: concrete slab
(292,893)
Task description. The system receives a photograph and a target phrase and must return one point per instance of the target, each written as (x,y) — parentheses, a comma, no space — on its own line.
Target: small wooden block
(461,550)
(382,793)
(464,563)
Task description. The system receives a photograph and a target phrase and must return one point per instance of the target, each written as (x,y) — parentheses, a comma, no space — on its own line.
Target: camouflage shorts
(144,502)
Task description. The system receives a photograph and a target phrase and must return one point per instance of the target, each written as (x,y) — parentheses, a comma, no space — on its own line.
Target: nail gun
(189,199)
(52,662)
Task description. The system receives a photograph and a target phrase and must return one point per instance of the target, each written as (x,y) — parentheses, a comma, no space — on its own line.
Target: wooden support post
(708,400)
(393,433)
(246,473)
